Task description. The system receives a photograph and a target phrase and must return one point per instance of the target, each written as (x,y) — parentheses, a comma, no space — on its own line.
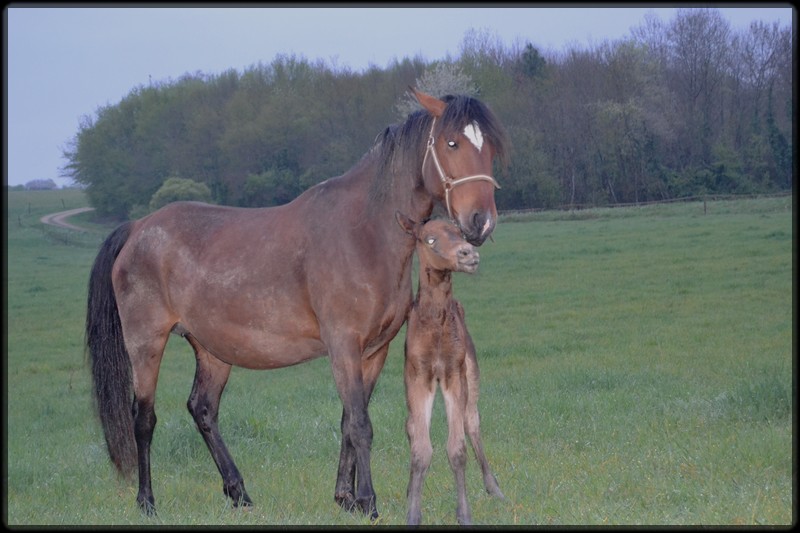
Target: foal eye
(451,144)
(430,240)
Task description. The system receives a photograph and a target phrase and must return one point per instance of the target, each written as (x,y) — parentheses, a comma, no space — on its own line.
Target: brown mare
(326,274)
(439,350)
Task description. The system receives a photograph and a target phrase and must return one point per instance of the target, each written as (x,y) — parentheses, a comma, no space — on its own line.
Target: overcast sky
(64,63)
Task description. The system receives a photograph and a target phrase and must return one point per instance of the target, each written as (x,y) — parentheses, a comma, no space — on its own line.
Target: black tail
(111,367)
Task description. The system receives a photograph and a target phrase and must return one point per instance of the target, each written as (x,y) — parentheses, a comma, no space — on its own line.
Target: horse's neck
(376,211)
(403,194)
(435,290)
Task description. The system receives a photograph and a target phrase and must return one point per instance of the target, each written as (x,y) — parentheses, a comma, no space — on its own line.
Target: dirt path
(58,219)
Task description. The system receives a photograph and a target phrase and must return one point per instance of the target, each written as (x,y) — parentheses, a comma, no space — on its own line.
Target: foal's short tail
(111,366)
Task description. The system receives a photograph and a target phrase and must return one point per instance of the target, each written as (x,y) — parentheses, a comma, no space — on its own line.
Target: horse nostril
(477,220)
(481,222)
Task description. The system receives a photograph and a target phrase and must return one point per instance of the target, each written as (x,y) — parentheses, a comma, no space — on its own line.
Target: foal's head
(441,245)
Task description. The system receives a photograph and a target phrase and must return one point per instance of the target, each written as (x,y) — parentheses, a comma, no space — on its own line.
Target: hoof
(346,501)
(147,506)
(497,493)
(350,504)
(238,495)
(367,506)
(493,488)
(243,503)
(244,508)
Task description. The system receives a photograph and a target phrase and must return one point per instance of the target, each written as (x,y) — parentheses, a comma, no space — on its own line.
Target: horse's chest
(391,320)
(439,333)
(449,335)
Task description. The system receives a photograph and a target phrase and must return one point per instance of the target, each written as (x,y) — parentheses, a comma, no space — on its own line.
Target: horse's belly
(256,348)
(260,333)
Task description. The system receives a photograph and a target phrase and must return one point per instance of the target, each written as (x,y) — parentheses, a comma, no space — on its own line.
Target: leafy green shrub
(271,187)
(176,189)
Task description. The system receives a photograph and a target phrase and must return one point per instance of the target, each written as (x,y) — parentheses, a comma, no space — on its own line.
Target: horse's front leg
(356,431)
(344,493)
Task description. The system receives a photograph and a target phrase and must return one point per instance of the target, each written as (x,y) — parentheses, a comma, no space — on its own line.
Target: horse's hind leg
(209,382)
(472,425)
(145,361)
(144,423)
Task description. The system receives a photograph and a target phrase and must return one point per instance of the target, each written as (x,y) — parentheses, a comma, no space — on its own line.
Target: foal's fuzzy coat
(440,349)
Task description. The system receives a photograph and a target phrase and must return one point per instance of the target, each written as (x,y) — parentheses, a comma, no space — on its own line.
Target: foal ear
(406,223)
(433,105)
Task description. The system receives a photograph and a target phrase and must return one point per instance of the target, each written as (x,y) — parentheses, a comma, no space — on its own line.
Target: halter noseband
(447,182)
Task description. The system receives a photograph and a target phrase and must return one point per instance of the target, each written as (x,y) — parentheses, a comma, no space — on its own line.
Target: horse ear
(433,105)
(406,223)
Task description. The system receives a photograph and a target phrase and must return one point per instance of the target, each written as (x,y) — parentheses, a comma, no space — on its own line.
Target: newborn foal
(439,349)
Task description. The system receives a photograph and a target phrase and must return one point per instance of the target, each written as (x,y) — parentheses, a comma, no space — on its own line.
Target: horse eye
(451,144)
(430,240)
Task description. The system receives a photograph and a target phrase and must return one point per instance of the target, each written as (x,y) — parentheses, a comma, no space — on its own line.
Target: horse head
(457,168)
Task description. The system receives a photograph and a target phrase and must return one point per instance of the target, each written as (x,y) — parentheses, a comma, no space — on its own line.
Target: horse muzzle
(477,227)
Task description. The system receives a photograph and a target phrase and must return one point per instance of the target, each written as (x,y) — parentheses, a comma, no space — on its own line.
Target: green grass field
(636,369)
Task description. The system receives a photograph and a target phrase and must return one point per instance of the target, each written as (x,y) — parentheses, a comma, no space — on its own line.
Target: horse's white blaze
(473,133)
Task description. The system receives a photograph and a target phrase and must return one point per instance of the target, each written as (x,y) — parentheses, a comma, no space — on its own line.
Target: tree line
(678,108)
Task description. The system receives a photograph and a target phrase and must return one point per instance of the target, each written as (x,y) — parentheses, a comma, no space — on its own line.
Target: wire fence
(685,199)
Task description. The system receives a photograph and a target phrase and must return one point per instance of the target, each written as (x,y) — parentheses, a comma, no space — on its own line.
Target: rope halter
(449,183)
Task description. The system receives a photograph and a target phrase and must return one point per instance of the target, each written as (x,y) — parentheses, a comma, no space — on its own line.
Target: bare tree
(439,80)
(699,43)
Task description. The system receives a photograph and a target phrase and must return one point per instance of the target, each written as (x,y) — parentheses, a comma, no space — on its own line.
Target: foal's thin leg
(454,391)
(420,393)
(209,382)
(472,424)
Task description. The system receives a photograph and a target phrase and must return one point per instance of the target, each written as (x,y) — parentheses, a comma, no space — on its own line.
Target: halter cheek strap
(449,183)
